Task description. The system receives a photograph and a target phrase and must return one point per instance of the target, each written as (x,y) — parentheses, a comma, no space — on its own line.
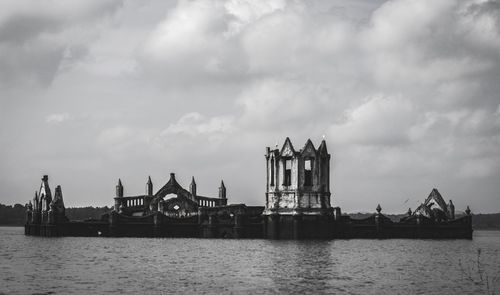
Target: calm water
(142,265)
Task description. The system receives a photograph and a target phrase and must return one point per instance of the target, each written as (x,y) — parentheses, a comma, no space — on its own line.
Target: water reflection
(142,265)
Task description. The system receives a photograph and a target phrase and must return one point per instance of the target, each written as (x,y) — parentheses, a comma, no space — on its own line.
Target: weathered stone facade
(298,182)
(297,206)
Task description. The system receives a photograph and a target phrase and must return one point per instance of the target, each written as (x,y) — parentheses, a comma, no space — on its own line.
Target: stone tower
(297,192)
(298,182)
(192,187)
(119,195)
(222,190)
(149,187)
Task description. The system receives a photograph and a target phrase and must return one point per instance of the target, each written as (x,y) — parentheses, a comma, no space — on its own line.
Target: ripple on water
(127,266)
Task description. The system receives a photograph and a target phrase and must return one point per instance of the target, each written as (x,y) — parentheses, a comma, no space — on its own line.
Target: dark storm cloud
(406,93)
(20,28)
(34,37)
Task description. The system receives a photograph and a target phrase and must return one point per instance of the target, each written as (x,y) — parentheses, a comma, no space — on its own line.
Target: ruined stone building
(297,205)
(171,200)
(298,182)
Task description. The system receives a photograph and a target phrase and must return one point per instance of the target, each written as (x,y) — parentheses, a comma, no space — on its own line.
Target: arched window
(287,181)
(272,172)
(308,173)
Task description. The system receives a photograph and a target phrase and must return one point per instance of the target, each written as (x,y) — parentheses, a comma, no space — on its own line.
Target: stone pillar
(50,217)
(264,225)
(451,208)
(418,220)
(238,226)
(378,221)
(29,218)
(29,213)
(211,227)
(297,226)
(157,221)
(469,220)
(275,225)
(338,214)
(113,223)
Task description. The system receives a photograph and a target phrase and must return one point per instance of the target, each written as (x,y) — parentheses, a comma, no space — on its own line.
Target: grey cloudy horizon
(406,93)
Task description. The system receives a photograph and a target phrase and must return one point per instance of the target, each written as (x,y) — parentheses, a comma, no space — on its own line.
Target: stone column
(338,214)
(157,221)
(297,225)
(378,221)
(211,227)
(113,223)
(275,224)
(264,226)
(238,226)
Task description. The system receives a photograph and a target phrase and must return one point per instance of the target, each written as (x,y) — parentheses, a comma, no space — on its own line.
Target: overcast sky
(406,92)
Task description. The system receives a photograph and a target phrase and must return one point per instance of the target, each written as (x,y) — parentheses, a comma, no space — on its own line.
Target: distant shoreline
(475,229)
(13,216)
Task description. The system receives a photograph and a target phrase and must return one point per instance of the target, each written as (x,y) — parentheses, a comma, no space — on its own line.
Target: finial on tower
(222,190)
(119,189)
(149,187)
(192,187)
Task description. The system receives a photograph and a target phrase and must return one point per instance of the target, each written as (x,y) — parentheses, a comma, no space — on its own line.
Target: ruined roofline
(170,185)
(291,151)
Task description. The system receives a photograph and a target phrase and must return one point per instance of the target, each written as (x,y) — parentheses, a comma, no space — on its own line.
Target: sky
(405,92)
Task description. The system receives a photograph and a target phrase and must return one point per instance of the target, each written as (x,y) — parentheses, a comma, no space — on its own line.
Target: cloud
(202,40)
(477,168)
(406,92)
(195,124)
(37,37)
(379,120)
(57,118)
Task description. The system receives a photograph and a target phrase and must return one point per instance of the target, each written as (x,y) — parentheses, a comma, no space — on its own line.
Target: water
(35,265)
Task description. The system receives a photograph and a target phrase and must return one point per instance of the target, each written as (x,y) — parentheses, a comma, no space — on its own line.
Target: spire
(322,147)
(36,201)
(119,189)
(192,187)
(58,197)
(149,187)
(222,190)
(451,210)
(45,189)
(58,202)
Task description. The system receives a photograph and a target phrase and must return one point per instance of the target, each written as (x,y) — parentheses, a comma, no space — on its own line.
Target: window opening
(308,172)
(272,172)
(288,173)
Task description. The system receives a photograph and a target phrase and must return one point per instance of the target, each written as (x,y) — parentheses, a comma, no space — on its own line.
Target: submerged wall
(222,223)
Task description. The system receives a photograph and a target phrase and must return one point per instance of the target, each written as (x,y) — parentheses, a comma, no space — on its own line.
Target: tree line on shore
(15,216)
